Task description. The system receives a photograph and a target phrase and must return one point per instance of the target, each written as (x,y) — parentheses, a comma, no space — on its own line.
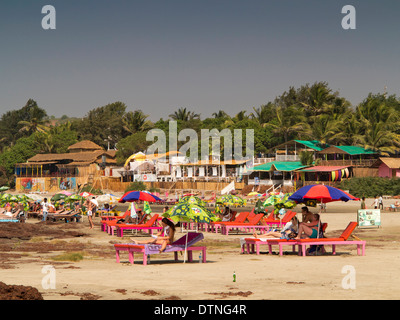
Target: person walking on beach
(375,203)
(363,206)
(380,202)
(91,210)
(45,209)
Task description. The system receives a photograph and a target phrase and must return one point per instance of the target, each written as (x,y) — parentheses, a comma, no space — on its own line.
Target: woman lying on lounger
(165,237)
(286,233)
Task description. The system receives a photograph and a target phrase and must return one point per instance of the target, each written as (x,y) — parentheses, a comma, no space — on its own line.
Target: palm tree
(380,125)
(263,114)
(184,115)
(323,129)
(33,125)
(318,100)
(306,158)
(136,121)
(33,119)
(288,121)
(220,114)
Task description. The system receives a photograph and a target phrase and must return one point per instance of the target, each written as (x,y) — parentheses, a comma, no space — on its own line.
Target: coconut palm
(136,121)
(184,115)
(288,121)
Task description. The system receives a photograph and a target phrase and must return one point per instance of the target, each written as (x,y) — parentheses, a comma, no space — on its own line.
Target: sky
(205,55)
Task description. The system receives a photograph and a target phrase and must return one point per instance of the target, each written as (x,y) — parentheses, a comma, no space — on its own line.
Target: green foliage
(130,145)
(306,158)
(310,112)
(89,188)
(370,187)
(136,186)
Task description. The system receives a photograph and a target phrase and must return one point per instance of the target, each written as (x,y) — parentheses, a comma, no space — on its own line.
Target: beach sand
(264,276)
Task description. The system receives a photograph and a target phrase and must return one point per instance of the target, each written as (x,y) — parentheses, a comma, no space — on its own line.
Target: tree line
(310,112)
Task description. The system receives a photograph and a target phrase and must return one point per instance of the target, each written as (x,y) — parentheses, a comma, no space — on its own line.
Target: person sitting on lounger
(291,228)
(309,230)
(165,237)
(307,215)
(226,215)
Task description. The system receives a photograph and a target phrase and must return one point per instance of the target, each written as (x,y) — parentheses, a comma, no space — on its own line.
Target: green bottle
(234,276)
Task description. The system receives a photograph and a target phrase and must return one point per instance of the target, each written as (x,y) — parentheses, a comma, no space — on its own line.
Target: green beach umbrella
(74,197)
(189,211)
(230,200)
(58,197)
(193,200)
(271,201)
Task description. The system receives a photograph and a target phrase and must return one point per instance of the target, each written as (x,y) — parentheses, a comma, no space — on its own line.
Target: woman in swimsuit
(165,237)
(310,230)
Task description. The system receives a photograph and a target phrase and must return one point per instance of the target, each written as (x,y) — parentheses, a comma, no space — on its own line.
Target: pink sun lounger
(178,246)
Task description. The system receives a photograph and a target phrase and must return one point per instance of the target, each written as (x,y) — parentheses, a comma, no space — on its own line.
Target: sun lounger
(342,240)
(148,226)
(15,217)
(183,244)
(251,226)
(108,222)
(252,245)
(240,218)
(66,215)
(280,222)
(302,243)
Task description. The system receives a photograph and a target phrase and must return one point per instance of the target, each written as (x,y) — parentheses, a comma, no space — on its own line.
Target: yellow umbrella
(254,193)
(140,156)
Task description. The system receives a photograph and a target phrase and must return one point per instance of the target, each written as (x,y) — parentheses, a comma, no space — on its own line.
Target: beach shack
(388,167)
(290,151)
(275,173)
(55,172)
(355,156)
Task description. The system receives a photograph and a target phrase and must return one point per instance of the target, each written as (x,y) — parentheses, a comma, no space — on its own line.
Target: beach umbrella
(5,196)
(86,194)
(271,200)
(107,198)
(36,197)
(58,197)
(67,193)
(321,193)
(193,200)
(4,188)
(13,199)
(229,200)
(254,193)
(131,196)
(74,198)
(190,211)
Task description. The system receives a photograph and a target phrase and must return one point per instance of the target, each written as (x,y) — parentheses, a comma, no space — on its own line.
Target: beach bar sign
(369,218)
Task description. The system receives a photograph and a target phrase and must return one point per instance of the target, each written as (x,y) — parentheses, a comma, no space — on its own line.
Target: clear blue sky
(160,55)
